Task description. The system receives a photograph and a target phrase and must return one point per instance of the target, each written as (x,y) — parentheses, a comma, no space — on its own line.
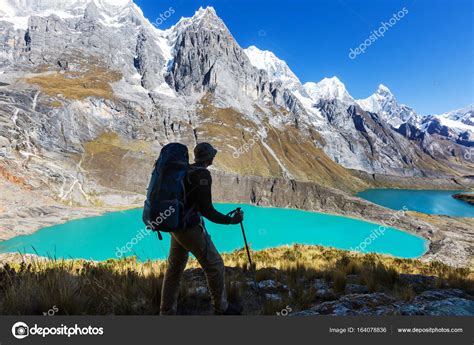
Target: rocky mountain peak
(276,68)
(190,74)
(384,103)
(203,18)
(328,89)
(383,90)
(109,12)
(20,8)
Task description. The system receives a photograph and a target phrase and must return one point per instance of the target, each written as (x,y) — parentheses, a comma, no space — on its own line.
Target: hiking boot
(232,309)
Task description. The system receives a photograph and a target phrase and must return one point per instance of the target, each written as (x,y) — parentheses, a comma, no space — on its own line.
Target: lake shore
(451,239)
(469,198)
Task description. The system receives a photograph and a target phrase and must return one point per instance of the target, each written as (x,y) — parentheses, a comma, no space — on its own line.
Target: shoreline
(465,197)
(102,211)
(442,233)
(375,224)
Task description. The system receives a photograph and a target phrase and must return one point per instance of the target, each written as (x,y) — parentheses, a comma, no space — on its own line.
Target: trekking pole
(245,240)
(254,275)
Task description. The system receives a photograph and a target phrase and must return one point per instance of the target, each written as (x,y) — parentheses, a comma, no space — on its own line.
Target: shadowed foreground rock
(431,302)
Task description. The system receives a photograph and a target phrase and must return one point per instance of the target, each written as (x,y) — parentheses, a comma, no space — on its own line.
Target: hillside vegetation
(288,277)
(94,82)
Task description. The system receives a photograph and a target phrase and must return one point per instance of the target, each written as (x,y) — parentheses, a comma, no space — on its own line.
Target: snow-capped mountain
(383,102)
(94,67)
(328,89)
(276,68)
(456,125)
(464,115)
(19,11)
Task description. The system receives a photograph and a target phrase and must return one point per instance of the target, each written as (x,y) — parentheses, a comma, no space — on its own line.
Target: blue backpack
(165,202)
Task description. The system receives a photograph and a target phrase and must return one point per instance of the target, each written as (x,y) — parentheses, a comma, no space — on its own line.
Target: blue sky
(426,58)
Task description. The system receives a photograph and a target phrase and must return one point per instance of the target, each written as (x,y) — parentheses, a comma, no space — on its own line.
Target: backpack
(164,208)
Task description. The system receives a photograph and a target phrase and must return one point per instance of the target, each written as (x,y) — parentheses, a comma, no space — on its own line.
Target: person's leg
(198,242)
(177,259)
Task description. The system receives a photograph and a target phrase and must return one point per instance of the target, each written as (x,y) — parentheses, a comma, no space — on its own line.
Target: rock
(356,288)
(354,304)
(418,280)
(273,297)
(201,290)
(453,306)
(439,294)
(272,286)
(323,290)
(452,302)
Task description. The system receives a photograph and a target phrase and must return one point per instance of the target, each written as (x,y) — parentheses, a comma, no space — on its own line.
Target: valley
(88,99)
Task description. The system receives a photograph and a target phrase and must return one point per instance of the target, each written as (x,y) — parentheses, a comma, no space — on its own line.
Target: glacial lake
(98,238)
(426,201)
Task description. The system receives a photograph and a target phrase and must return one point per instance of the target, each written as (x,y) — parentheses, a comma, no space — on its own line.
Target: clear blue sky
(426,58)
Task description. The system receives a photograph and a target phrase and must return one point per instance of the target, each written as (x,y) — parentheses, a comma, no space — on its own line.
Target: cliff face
(90,93)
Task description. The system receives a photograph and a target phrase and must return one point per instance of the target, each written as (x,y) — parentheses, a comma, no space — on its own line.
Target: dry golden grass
(127,286)
(129,160)
(108,141)
(95,82)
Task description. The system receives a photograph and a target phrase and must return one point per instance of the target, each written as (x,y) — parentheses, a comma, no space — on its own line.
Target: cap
(204,152)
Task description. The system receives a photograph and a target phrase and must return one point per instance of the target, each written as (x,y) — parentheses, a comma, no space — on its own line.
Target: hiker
(196,240)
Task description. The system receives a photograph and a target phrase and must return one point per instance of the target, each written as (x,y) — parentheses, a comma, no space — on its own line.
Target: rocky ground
(469,198)
(23,211)
(434,302)
(425,298)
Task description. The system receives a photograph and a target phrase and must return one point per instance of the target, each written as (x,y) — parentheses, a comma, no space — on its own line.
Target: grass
(95,82)
(126,286)
(111,152)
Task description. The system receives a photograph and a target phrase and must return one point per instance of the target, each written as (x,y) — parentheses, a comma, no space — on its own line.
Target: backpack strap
(192,208)
(192,170)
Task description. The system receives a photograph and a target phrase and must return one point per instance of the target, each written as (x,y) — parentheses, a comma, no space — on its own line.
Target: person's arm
(204,199)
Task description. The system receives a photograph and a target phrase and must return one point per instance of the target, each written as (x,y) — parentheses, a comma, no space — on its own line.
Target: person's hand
(237,217)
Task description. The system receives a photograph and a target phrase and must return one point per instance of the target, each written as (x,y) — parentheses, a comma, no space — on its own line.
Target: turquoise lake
(98,238)
(426,201)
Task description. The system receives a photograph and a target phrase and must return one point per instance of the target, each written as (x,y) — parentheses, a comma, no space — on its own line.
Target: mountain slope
(464,115)
(276,69)
(95,84)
